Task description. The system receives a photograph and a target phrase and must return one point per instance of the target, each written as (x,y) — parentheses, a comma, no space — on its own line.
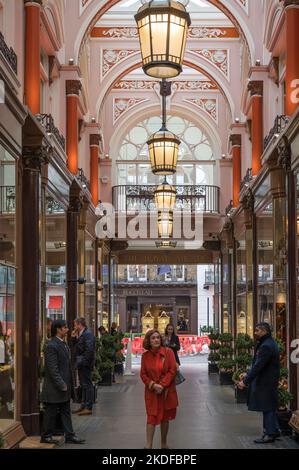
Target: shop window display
(7,287)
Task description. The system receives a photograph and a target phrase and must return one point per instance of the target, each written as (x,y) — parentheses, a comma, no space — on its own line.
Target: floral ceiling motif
(122,105)
(217,57)
(111,57)
(196,32)
(182,85)
(209,106)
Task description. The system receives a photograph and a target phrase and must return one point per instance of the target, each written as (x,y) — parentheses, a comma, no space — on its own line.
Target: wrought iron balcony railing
(47,122)
(247,178)
(190,198)
(7,199)
(9,54)
(279,124)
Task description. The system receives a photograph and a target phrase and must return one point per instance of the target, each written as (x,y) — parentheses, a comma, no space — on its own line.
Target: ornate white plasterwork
(208,105)
(122,105)
(217,57)
(111,57)
(244,4)
(82,5)
(178,85)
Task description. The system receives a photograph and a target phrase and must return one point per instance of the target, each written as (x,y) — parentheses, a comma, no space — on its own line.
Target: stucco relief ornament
(122,105)
(121,33)
(112,57)
(205,33)
(207,105)
(217,57)
(194,85)
(135,85)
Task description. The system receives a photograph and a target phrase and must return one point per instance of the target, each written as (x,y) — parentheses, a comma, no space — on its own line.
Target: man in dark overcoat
(84,351)
(58,387)
(262,380)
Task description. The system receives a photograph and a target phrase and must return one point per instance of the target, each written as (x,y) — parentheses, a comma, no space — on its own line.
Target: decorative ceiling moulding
(244,4)
(83,4)
(111,57)
(195,32)
(178,85)
(217,57)
(123,105)
(230,12)
(209,106)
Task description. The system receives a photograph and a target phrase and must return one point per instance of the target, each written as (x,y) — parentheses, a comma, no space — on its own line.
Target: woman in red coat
(158,371)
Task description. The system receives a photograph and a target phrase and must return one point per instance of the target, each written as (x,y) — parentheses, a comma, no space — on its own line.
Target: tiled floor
(208,417)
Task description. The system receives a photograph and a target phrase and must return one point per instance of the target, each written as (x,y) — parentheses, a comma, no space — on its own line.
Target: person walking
(84,351)
(263,379)
(158,371)
(58,386)
(172,341)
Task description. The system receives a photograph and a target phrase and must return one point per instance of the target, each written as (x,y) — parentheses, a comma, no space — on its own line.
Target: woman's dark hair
(57,324)
(170,324)
(147,339)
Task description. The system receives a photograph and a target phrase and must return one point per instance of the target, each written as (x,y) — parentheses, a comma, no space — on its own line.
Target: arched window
(196,159)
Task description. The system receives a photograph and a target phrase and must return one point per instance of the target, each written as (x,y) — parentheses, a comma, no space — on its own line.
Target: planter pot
(119,368)
(241,395)
(213,368)
(283,420)
(226,378)
(106,379)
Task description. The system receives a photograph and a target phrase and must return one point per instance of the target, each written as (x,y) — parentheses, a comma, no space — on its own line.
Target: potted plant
(243,360)
(226,370)
(284,414)
(214,356)
(105,354)
(119,357)
(226,364)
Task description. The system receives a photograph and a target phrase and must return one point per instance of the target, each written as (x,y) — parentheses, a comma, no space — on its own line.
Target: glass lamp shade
(165,196)
(165,224)
(163,149)
(162,27)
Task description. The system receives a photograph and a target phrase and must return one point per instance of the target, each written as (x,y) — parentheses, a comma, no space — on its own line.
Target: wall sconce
(71,61)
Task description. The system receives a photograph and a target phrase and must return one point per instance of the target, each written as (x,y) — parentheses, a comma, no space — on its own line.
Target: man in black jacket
(263,379)
(84,351)
(58,386)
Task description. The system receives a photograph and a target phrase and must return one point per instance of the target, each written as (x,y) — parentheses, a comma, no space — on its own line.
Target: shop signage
(137,292)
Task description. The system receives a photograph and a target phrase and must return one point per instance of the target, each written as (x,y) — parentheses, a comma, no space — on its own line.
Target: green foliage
(214,357)
(284,397)
(225,351)
(244,342)
(213,336)
(108,353)
(243,360)
(226,365)
(284,373)
(206,329)
(214,346)
(280,345)
(226,338)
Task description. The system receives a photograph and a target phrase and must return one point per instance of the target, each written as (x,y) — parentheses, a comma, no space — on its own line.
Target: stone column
(236,140)
(292,56)
(73,88)
(72,253)
(256,90)
(251,312)
(33,158)
(94,167)
(32,55)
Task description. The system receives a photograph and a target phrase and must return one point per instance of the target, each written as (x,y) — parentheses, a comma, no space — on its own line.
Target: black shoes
(49,440)
(267,439)
(74,440)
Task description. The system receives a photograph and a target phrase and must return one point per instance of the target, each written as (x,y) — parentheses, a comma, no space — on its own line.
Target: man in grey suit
(58,388)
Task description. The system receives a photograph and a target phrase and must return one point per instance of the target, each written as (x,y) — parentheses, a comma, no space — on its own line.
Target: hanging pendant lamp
(165,197)
(165,224)
(163,145)
(162,27)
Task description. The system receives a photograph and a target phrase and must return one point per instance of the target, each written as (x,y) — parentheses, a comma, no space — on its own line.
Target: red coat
(162,372)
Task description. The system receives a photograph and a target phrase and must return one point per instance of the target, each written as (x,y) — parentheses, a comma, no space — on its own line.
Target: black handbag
(179,378)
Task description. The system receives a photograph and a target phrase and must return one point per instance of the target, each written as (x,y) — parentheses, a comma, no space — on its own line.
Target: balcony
(190,198)
(9,54)
(7,199)
(47,122)
(279,125)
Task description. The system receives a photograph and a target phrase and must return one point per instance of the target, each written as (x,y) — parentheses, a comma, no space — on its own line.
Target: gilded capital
(235,140)
(256,87)
(73,87)
(94,139)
